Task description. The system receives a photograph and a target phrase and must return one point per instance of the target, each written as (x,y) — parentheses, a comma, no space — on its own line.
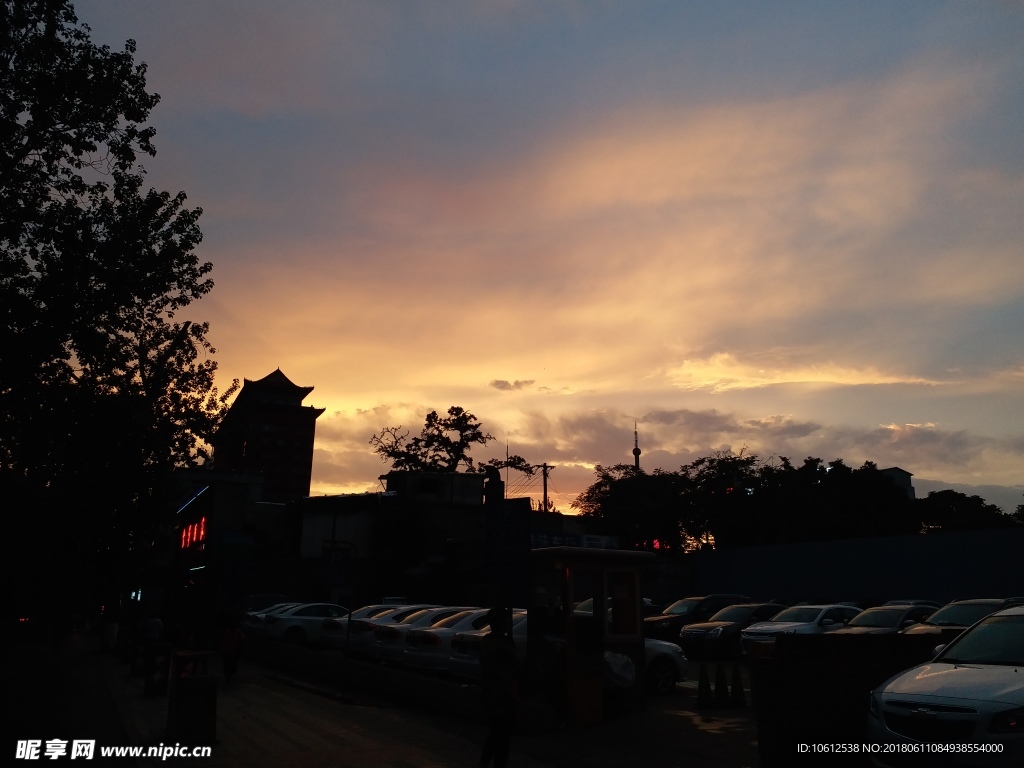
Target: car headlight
(1011,721)
(874,706)
(715,632)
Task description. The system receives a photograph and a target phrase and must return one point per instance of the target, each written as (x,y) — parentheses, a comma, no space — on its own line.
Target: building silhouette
(269,432)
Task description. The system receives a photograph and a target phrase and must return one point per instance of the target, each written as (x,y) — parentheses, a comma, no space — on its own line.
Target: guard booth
(585,631)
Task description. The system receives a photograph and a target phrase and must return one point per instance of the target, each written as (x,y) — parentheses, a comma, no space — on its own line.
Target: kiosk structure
(585,630)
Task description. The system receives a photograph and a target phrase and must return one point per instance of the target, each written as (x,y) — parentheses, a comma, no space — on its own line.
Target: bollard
(738,698)
(721,686)
(704,687)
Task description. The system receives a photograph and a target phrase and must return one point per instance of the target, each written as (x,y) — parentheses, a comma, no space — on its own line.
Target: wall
(938,566)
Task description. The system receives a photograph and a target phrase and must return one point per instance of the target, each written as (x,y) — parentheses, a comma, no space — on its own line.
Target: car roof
(1015,610)
(978,601)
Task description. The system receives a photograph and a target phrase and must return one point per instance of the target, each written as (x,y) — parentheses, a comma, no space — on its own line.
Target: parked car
(969,697)
(429,648)
(953,618)
(389,638)
(300,624)
(719,637)
(665,664)
(254,620)
(690,610)
(361,635)
(464,655)
(340,631)
(798,620)
(256,603)
(931,603)
(886,619)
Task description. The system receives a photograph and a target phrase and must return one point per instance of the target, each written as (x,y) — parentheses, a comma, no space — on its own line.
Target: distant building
(268,431)
(901,478)
(433,536)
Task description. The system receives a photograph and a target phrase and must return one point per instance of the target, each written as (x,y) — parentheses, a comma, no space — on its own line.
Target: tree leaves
(731,500)
(99,377)
(443,445)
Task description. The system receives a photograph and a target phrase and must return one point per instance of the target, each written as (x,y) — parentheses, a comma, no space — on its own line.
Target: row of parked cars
(970,693)
(728,625)
(425,637)
(964,706)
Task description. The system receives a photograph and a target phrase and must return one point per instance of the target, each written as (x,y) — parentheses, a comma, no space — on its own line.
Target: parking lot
(671,731)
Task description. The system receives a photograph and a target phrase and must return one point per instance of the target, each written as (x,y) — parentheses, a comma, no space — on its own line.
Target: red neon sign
(193,533)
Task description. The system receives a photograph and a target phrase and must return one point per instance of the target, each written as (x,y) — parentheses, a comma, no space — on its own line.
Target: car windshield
(414,616)
(452,620)
(682,607)
(997,640)
(734,613)
(379,610)
(280,607)
(961,615)
(401,615)
(801,614)
(878,617)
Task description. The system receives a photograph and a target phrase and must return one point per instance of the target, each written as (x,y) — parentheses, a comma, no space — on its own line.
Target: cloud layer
(796,232)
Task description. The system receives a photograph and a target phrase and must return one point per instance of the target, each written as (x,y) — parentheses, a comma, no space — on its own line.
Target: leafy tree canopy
(728,499)
(443,445)
(102,383)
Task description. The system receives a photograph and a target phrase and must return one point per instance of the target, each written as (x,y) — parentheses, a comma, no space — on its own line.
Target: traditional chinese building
(268,431)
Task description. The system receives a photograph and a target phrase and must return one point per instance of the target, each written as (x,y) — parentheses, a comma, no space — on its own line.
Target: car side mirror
(939,649)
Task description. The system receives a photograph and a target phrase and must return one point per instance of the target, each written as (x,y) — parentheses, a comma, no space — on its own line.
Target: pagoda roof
(272,388)
(277,380)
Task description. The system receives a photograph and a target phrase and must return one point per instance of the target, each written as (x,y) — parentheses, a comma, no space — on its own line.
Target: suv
(689,610)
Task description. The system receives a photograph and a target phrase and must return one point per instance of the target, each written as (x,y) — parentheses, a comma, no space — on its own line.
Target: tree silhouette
(641,510)
(102,384)
(950,510)
(443,445)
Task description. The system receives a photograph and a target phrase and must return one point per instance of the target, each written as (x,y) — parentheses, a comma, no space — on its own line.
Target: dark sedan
(689,610)
(952,619)
(719,638)
(886,619)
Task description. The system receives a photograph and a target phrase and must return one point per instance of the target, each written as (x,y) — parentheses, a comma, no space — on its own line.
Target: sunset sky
(794,228)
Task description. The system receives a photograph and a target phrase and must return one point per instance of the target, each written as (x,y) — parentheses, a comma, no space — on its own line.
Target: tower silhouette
(267,430)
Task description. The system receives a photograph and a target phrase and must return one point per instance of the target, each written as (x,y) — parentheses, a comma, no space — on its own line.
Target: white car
(965,707)
(799,620)
(428,648)
(361,631)
(665,664)
(335,632)
(254,620)
(464,657)
(389,639)
(301,623)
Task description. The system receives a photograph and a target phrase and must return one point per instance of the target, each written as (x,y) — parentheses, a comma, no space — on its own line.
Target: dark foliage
(443,445)
(102,384)
(732,500)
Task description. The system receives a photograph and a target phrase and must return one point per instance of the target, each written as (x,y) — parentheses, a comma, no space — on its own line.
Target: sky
(789,228)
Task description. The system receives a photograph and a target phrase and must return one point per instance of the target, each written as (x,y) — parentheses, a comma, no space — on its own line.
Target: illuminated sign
(193,534)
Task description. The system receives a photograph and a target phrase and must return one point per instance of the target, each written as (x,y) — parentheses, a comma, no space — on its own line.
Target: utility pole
(544,468)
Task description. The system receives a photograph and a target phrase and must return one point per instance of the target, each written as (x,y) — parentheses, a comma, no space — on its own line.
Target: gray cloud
(510,386)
